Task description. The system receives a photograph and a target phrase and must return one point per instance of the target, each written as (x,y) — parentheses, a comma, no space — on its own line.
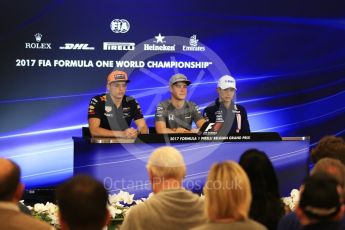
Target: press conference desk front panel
(120,163)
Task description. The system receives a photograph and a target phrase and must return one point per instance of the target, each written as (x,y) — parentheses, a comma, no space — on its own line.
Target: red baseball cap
(117,76)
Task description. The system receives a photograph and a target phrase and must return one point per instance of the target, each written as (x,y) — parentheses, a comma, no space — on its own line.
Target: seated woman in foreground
(227,198)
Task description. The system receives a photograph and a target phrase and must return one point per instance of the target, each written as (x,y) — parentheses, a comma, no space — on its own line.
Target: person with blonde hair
(171,206)
(228,198)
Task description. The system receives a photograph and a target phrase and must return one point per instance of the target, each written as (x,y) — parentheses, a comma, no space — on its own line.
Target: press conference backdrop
(288,58)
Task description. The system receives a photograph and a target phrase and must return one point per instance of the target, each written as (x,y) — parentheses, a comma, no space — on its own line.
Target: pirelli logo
(118,46)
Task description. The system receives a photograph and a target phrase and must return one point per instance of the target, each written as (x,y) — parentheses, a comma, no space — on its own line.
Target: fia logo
(119,26)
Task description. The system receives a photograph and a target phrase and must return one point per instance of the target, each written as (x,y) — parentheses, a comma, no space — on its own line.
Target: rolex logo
(38,37)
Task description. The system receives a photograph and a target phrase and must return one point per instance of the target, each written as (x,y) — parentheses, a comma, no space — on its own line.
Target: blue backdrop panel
(122,166)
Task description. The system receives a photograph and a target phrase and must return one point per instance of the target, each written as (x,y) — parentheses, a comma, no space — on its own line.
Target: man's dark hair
(320,197)
(329,146)
(9,179)
(82,202)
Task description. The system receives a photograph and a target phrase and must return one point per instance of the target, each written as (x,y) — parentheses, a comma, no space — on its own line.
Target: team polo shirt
(227,120)
(113,118)
(178,118)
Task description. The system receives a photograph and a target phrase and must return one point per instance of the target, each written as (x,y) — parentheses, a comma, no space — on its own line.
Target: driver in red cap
(111,114)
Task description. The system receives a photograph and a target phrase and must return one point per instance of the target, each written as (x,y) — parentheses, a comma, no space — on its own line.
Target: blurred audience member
(329,146)
(11,191)
(321,203)
(82,204)
(330,166)
(266,207)
(333,168)
(227,199)
(172,207)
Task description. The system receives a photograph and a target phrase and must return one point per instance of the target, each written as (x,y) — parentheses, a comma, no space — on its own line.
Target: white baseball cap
(226,81)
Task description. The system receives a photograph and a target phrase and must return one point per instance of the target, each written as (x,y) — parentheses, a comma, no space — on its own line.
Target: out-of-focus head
(329,146)
(260,171)
(320,198)
(167,163)
(227,192)
(9,180)
(82,203)
(332,167)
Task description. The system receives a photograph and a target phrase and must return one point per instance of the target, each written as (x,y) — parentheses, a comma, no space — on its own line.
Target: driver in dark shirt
(111,114)
(227,116)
